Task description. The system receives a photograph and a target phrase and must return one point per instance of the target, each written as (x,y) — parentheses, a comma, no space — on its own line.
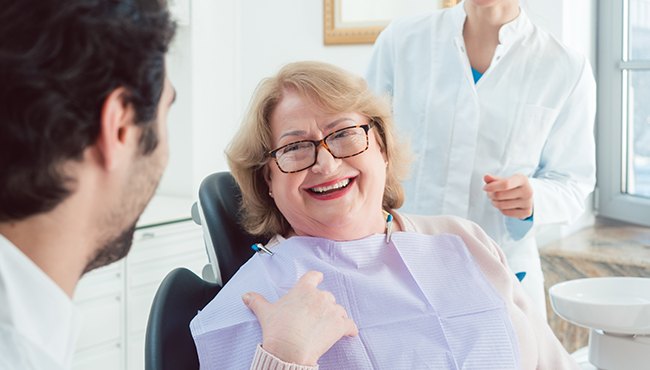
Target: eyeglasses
(344,143)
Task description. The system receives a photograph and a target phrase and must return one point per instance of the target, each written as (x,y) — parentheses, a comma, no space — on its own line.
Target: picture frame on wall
(361,21)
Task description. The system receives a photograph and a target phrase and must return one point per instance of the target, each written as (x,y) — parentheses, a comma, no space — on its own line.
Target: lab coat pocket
(530,134)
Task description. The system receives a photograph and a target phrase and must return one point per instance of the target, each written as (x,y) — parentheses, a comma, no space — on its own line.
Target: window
(624,110)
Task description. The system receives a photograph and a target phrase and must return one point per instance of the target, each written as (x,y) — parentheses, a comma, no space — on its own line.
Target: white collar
(508,33)
(35,306)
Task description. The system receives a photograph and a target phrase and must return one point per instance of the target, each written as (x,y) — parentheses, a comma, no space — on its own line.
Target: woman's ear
(267,178)
(384,152)
(381,140)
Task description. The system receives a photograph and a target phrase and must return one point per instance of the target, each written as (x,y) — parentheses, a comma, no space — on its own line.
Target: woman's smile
(332,189)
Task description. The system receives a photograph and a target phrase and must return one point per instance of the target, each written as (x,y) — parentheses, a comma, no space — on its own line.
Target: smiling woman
(308,101)
(319,172)
(361,21)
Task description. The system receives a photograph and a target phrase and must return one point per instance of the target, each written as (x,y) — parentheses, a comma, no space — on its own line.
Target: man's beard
(114,250)
(139,190)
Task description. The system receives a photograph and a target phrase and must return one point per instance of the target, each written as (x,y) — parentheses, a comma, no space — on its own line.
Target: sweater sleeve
(265,361)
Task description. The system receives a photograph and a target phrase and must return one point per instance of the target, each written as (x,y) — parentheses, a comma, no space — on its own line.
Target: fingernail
(246,298)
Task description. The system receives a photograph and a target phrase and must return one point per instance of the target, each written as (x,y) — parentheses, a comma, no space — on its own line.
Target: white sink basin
(612,304)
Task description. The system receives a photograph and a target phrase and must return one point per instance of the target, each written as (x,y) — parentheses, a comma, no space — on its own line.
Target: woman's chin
(337,228)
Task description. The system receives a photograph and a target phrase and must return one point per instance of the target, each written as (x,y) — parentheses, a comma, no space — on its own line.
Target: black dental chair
(226,242)
(168,343)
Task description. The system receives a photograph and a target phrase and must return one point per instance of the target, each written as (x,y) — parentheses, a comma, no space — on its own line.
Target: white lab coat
(532,113)
(39,324)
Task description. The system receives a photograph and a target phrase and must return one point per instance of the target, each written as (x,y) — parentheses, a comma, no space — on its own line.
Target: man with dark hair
(83,104)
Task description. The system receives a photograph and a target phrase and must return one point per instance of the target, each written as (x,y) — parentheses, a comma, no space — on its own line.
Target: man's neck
(55,242)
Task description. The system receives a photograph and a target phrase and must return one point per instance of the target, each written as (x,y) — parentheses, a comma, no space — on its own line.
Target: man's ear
(116,125)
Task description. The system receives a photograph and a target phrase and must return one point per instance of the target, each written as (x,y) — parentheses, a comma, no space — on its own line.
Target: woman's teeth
(324,189)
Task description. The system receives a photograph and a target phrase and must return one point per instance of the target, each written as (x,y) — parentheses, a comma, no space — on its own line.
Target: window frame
(611,199)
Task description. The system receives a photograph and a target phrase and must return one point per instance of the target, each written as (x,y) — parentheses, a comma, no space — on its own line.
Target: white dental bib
(420,302)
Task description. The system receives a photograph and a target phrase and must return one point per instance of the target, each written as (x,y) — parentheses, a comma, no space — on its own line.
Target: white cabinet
(100,297)
(115,300)
(156,252)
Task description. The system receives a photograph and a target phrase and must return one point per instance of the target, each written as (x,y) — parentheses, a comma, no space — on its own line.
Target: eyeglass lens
(343,143)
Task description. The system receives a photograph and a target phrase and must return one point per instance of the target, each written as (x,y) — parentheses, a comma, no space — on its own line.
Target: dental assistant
(500,116)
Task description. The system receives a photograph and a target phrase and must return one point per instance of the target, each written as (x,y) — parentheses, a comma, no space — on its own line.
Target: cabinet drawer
(135,352)
(101,282)
(141,294)
(108,357)
(165,242)
(102,321)
(165,247)
(138,309)
(154,272)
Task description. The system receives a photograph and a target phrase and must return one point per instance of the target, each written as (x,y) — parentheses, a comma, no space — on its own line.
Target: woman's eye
(342,134)
(295,147)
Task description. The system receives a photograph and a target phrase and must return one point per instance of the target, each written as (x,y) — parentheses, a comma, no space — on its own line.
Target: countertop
(165,209)
(608,248)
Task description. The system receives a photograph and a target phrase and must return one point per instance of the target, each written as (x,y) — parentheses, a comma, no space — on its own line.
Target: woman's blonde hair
(336,91)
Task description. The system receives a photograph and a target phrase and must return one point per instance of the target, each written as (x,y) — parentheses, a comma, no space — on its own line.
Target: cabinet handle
(148,235)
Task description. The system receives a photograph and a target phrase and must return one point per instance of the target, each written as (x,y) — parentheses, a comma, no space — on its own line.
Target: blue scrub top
(476,74)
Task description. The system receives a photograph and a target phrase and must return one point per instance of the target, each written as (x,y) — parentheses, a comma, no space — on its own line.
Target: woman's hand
(302,325)
(513,196)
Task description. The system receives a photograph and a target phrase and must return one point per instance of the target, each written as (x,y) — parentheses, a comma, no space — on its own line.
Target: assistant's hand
(513,196)
(302,325)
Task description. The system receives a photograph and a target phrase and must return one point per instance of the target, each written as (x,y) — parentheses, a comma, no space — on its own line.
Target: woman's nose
(325,162)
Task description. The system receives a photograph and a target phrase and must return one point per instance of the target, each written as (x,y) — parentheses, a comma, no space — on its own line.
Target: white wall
(217,61)
(571,21)
(203,65)
(178,176)
(274,33)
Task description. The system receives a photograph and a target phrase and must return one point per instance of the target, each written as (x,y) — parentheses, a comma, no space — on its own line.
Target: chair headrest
(220,200)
